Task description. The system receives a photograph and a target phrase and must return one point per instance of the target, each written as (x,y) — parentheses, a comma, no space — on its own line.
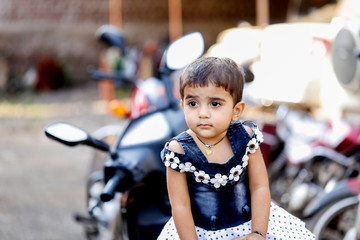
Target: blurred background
(52,45)
(50,49)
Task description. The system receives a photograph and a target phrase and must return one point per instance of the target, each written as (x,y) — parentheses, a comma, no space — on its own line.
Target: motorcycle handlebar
(98,144)
(110,187)
(118,77)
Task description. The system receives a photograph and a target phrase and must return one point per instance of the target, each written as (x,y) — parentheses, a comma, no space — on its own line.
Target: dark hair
(222,72)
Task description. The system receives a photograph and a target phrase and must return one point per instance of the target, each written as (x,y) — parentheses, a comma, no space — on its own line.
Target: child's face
(209,110)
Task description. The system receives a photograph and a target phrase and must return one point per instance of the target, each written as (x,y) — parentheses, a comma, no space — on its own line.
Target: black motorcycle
(128,198)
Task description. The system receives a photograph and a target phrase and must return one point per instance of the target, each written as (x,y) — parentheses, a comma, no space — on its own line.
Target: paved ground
(42,183)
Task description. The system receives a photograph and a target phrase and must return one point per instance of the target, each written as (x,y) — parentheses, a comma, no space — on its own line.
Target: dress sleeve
(176,161)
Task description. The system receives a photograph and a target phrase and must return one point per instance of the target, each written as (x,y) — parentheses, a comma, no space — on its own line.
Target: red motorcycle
(317,178)
(306,157)
(335,212)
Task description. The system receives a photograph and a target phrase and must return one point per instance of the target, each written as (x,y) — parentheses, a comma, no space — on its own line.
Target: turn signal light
(117,108)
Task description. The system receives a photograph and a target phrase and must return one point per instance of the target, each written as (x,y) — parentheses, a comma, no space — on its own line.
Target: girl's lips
(204,125)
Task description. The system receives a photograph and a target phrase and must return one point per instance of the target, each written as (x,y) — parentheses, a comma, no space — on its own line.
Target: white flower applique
(252,145)
(219,180)
(259,135)
(201,176)
(235,173)
(171,160)
(245,160)
(187,167)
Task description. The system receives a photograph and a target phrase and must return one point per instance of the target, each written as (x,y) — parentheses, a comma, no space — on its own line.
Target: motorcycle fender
(341,190)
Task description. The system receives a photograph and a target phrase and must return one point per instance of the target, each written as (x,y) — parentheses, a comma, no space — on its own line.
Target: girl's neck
(221,150)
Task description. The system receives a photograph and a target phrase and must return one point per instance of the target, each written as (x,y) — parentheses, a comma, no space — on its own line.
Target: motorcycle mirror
(111,36)
(66,133)
(249,75)
(185,50)
(345,57)
(71,136)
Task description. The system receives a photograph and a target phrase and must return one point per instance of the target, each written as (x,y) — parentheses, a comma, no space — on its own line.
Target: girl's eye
(192,104)
(215,104)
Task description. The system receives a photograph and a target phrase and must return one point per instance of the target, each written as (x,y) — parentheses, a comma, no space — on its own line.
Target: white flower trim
(252,146)
(218,180)
(259,135)
(187,167)
(171,160)
(235,173)
(201,176)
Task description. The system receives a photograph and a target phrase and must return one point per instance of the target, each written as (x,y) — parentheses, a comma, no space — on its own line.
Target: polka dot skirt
(282,226)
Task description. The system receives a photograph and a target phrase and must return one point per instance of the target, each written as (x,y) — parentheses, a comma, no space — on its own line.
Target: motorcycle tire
(335,220)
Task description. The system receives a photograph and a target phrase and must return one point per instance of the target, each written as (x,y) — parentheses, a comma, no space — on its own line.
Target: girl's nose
(204,112)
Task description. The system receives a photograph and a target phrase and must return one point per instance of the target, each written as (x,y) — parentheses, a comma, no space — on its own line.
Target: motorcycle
(128,198)
(146,95)
(335,212)
(283,149)
(338,212)
(310,155)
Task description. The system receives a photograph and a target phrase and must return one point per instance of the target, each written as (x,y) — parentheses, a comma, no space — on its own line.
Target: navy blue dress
(219,193)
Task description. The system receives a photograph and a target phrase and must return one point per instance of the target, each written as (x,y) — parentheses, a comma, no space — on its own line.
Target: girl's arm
(180,200)
(260,197)
(260,192)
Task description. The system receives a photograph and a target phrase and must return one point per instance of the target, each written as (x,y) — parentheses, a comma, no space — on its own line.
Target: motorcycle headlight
(151,128)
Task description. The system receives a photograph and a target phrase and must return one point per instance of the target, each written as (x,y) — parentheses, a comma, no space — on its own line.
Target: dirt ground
(42,183)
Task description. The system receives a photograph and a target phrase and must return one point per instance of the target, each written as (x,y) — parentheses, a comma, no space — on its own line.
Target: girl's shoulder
(175,146)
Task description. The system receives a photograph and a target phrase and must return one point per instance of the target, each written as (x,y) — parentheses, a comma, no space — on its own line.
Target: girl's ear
(182,104)
(238,109)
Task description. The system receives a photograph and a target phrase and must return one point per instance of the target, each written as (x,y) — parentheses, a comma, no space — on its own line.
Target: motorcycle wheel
(334,221)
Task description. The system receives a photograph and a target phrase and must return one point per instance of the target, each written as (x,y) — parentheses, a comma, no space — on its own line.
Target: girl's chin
(204,133)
